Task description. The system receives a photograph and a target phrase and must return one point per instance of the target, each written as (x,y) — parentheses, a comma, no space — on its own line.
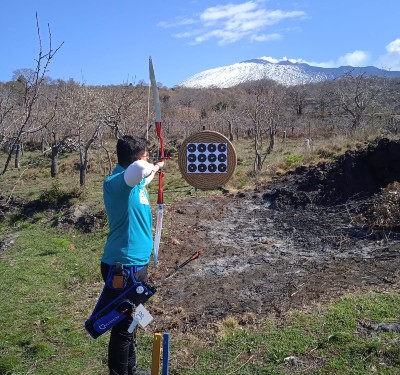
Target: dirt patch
(279,247)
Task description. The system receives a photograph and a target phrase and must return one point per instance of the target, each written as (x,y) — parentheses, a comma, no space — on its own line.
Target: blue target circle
(191,158)
(212,168)
(222,147)
(192,168)
(202,168)
(212,158)
(222,168)
(201,147)
(222,158)
(191,147)
(202,158)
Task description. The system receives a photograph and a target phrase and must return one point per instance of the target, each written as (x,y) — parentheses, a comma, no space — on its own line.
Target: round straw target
(207,160)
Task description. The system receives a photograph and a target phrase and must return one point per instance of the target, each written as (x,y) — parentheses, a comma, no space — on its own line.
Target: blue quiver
(134,294)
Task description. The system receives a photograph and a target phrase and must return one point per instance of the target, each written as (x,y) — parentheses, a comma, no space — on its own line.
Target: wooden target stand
(207,160)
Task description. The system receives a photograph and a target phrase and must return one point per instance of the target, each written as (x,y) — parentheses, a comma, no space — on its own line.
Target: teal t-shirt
(130,239)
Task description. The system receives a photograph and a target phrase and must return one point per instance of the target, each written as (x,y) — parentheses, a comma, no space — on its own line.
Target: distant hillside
(285,72)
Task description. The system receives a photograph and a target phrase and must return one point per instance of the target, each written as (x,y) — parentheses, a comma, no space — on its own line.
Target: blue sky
(109,41)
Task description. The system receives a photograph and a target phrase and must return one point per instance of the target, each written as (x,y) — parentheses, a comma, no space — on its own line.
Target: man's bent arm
(137,171)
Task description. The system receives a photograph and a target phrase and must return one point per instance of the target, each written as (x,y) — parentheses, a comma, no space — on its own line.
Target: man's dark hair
(130,149)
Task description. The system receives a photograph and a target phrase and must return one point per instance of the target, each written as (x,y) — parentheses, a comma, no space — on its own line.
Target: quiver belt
(125,297)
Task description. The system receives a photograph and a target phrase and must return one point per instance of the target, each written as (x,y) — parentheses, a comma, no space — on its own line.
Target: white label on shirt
(143,197)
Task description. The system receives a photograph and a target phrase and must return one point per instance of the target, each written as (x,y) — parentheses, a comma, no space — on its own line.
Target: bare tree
(297,96)
(83,110)
(124,109)
(355,96)
(85,143)
(222,110)
(263,107)
(60,132)
(31,85)
(7,104)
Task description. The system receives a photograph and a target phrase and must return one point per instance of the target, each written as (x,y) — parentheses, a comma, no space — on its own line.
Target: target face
(207,157)
(207,160)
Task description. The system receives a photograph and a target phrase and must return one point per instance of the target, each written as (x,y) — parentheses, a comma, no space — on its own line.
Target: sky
(109,42)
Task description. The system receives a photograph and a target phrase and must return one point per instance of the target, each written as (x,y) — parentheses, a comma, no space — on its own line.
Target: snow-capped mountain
(285,72)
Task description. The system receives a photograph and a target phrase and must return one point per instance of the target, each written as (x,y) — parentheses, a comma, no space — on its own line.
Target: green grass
(294,160)
(322,343)
(45,278)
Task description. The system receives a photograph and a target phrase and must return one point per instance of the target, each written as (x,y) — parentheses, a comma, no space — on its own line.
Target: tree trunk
(257,163)
(82,175)
(84,162)
(7,161)
(271,146)
(43,143)
(17,162)
(257,166)
(230,131)
(54,161)
(109,163)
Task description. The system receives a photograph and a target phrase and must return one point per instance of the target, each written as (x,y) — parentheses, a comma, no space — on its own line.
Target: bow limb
(160,197)
(157,237)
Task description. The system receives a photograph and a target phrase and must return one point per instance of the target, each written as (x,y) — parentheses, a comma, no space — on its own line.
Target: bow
(160,198)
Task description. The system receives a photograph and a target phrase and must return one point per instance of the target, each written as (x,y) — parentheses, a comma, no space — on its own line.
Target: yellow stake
(156,354)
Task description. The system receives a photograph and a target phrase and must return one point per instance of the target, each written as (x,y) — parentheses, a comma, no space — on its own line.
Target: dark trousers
(122,344)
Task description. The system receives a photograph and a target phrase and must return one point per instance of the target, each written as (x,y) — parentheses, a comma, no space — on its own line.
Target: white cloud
(178,22)
(270,59)
(356,58)
(391,60)
(214,14)
(264,37)
(223,36)
(232,22)
(394,47)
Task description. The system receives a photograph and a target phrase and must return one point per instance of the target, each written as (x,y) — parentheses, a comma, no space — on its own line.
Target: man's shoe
(139,371)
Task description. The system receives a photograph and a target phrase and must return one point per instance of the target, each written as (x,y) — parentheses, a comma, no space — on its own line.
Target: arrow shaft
(193,257)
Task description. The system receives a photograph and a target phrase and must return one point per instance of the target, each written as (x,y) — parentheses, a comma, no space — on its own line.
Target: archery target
(207,160)
(207,157)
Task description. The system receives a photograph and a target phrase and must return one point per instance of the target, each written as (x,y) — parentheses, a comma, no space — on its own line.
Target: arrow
(178,267)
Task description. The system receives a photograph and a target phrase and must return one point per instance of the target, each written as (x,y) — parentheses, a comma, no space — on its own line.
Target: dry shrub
(227,325)
(383,213)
